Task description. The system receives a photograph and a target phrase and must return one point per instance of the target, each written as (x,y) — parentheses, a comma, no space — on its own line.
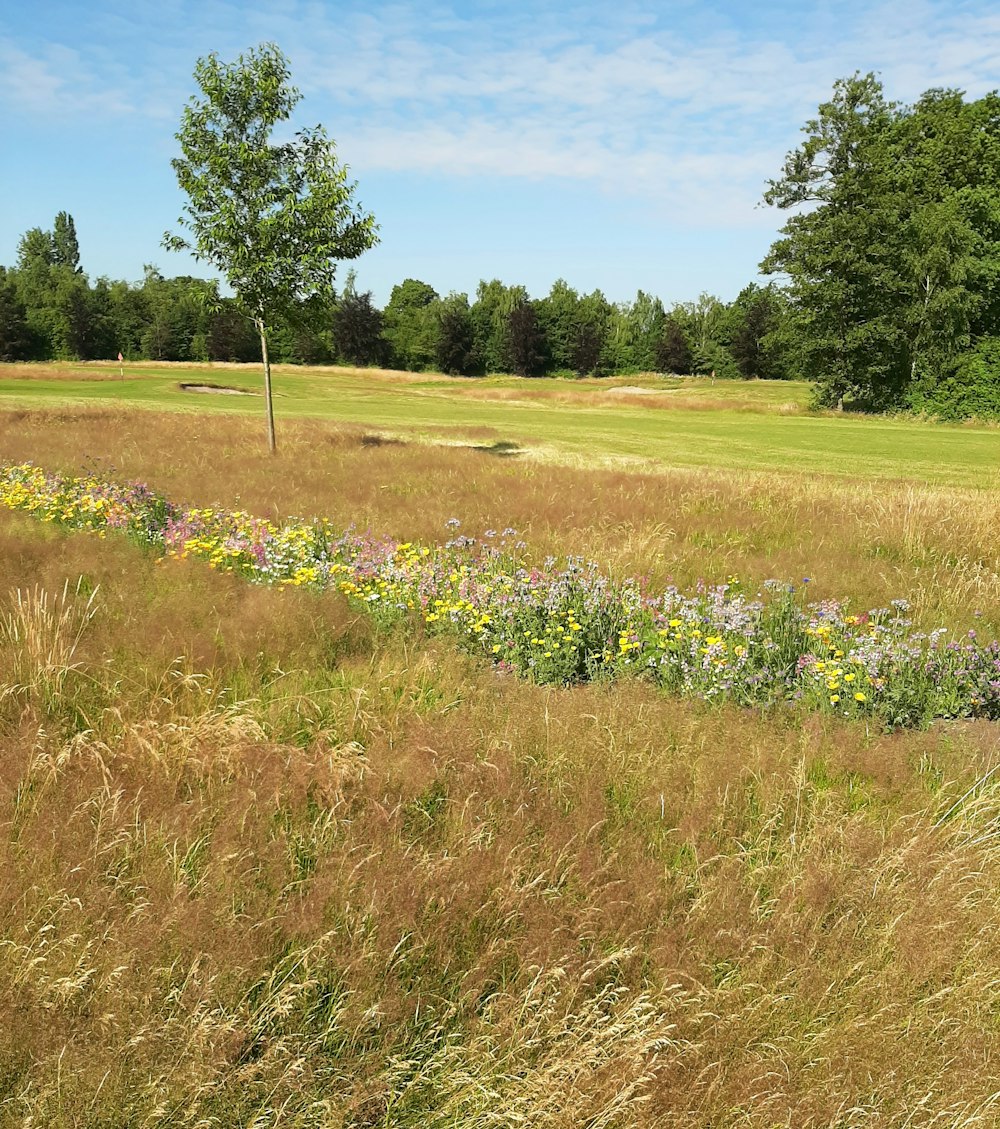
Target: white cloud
(693,120)
(56,82)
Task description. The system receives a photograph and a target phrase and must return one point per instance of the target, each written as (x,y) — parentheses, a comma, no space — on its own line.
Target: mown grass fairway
(676,423)
(263,863)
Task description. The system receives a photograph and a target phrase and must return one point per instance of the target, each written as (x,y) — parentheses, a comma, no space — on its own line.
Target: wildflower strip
(563,622)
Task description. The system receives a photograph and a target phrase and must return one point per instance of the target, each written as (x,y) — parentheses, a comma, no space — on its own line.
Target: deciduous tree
(357,327)
(274,217)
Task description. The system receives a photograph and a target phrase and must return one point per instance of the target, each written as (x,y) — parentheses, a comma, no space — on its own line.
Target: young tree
(273,217)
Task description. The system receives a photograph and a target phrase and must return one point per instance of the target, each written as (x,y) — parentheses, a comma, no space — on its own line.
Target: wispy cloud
(55,82)
(690,108)
(695,123)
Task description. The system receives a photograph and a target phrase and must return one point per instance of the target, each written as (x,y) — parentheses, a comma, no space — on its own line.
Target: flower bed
(564,622)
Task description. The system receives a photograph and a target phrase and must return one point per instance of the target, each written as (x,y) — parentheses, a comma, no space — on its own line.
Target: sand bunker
(218,389)
(635,390)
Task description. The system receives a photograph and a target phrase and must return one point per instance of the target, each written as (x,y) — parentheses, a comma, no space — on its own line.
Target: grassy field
(263,864)
(678,423)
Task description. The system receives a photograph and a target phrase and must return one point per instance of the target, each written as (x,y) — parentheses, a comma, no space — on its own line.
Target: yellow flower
(859,697)
(834,699)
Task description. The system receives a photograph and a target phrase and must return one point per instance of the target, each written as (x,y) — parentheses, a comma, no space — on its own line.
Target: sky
(619,146)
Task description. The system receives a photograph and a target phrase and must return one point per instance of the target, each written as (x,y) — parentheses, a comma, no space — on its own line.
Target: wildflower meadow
(564,621)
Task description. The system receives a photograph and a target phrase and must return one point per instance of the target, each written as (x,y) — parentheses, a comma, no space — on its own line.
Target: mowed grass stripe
(592,425)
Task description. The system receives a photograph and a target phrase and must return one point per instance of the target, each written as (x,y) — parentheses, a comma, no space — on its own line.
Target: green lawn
(758,426)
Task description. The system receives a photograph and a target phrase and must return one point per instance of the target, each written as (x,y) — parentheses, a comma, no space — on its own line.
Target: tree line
(884,289)
(49,310)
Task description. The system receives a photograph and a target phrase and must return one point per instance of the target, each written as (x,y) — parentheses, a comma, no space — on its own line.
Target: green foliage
(634,332)
(490,312)
(714,359)
(14,336)
(892,267)
(593,315)
(972,389)
(410,326)
(273,217)
(63,315)
(231,336)
(755,320)
(65,247)
(673,353)
(357,327)
(524,341)
(574,327)
(175,312)
(558,319)
(455,347)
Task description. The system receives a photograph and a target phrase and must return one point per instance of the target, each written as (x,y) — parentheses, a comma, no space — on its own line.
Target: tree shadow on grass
(502,448)
(381,441)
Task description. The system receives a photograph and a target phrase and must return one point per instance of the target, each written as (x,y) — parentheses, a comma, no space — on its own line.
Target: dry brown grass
(257,862)
(262,864)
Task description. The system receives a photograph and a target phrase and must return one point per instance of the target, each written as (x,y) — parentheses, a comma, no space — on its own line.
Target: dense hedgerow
(565,622)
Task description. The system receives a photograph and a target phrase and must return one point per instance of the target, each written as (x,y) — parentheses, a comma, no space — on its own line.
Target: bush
(973,388)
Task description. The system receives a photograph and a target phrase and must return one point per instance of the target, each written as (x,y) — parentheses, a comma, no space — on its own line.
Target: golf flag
(120,358)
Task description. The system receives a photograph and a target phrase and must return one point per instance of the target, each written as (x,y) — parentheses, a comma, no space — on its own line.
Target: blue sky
(619,146)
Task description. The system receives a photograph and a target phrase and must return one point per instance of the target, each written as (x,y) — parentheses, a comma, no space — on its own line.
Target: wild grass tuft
(41,633)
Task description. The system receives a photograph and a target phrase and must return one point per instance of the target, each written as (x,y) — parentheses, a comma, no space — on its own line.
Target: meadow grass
(263,863)
(759,426)
(866,541)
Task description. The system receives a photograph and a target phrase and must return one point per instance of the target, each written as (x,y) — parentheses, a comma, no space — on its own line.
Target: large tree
(525,343)
(65,246)
(490,314)
(274,217)
(357,327)
(410,326)
(455,346)
(15,339)
(891,252)
(839,253)
(754,338)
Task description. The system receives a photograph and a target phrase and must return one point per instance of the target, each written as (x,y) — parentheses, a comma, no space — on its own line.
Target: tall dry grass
(261,865)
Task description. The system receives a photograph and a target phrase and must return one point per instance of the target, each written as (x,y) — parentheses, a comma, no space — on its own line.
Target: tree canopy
(894,242)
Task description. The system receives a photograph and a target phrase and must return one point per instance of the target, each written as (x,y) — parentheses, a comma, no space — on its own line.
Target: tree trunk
(268,402)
